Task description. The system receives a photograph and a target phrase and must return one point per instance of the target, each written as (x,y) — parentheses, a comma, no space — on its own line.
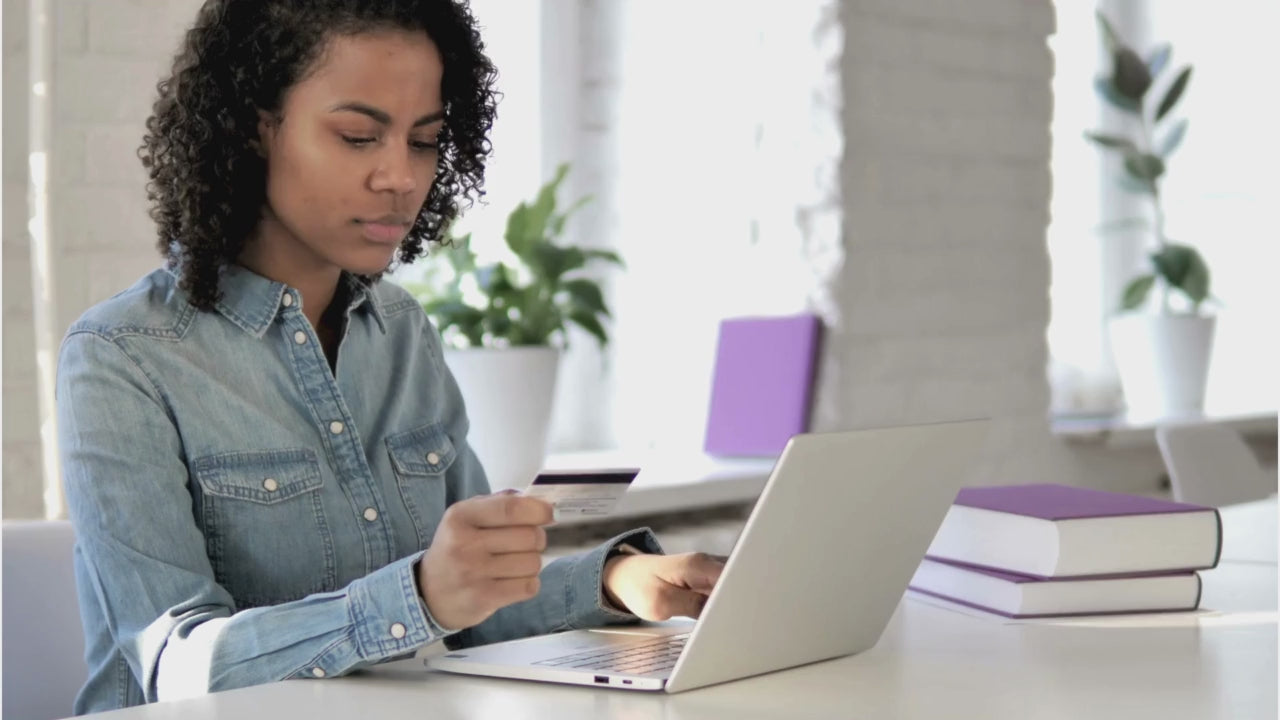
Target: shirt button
(397,630)
(300,337)
(317,672)
(433,458)
(287,300)
(335,427)
(270,485)
(370,514)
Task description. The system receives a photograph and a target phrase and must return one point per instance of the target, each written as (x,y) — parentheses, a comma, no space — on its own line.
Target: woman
(260,440)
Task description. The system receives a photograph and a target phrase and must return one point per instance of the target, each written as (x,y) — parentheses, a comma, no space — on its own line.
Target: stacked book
(1027,551)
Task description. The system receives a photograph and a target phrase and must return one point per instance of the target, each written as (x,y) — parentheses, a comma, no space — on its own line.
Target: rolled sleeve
(585,603)
(388,614)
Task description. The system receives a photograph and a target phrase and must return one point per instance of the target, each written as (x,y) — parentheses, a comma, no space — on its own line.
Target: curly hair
(207,179)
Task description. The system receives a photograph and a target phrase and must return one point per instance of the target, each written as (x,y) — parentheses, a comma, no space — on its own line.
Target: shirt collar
(252,301)
(364,295)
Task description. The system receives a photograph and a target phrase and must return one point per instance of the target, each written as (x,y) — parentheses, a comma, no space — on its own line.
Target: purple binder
(762,386)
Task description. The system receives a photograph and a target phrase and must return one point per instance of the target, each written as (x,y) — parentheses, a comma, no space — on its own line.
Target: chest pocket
(264,524)
(420,458)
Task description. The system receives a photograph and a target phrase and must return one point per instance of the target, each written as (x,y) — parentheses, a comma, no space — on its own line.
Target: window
(726,167)
(709,172)
(1217,196)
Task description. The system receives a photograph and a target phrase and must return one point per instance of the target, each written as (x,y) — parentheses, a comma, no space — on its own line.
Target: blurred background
(914,172)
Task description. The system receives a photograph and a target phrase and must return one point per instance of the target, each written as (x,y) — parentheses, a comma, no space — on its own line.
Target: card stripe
(596,478)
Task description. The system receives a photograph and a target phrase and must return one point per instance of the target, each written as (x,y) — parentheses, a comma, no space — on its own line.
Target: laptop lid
(827,552)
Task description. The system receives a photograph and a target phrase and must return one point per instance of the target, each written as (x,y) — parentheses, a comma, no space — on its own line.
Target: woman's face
(352,154)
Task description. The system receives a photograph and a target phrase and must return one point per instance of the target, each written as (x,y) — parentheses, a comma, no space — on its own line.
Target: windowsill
(681,482)
(672,483)
(1121,431)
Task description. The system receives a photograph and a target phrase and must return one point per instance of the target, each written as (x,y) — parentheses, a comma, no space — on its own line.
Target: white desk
(933,661)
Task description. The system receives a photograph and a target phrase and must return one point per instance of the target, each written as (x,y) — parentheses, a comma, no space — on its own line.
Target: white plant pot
(1163,362)
(508,394)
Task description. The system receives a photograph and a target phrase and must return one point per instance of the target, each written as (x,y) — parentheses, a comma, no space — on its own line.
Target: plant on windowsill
(497,305)
(505,325)
(1162,358)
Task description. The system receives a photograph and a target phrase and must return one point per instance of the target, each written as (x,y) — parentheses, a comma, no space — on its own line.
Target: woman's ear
(268,124)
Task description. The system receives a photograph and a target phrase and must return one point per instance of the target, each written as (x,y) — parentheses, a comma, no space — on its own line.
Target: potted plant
(1162,356)
(505,326)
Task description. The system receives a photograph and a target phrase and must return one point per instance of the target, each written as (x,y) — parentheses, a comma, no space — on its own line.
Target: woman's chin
(369,263)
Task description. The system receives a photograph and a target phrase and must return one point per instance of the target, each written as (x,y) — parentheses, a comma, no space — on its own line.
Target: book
(1022,596)
(762,384)
(1049,531)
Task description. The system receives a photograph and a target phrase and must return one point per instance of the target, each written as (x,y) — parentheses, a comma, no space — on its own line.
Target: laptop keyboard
(638,659)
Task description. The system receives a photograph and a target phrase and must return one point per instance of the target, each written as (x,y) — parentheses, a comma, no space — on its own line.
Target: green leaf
(466,319)
(1107,91)
(542,209)
(528,223)
(1129,74)
(458,253)
(1109,37)
(1173,262)
(586,295)
(588,322)
(1113,141)
(1135,293)
(518,234)
(433,306)
(1173,139)
(1196,284)
(1158,59)
(539,318)
(558,221)
(420,291)
(1183,268)
(497,322)
(1144,166)
(550,262)
(607,255)
(454,311)
(1174,93)
(495,282)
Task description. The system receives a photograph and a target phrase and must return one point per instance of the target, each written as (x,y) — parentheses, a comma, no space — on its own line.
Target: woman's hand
(486,554)
(660,587)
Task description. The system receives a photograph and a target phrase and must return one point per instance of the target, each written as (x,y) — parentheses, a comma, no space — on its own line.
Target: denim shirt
(245,514)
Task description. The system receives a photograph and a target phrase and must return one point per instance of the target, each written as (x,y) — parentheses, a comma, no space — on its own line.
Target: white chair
(43,642)
(1210,464)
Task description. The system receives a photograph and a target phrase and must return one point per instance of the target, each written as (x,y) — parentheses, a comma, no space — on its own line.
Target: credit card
(582,493)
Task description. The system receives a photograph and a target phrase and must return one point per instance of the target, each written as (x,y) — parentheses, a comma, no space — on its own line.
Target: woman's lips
(382,232)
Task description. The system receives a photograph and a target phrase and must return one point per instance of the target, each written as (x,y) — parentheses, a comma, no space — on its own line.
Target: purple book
(762,386)
(1021,596)
(1049,531)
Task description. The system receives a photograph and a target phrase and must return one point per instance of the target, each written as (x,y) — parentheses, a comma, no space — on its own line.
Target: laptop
(816,573)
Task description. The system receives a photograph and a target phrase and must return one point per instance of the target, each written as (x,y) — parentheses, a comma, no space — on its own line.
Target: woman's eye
(423,145)
(358,141)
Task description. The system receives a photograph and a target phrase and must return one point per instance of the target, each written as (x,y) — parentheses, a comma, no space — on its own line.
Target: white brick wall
(21,464)
(942,297)
(108,56)
(941,304)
